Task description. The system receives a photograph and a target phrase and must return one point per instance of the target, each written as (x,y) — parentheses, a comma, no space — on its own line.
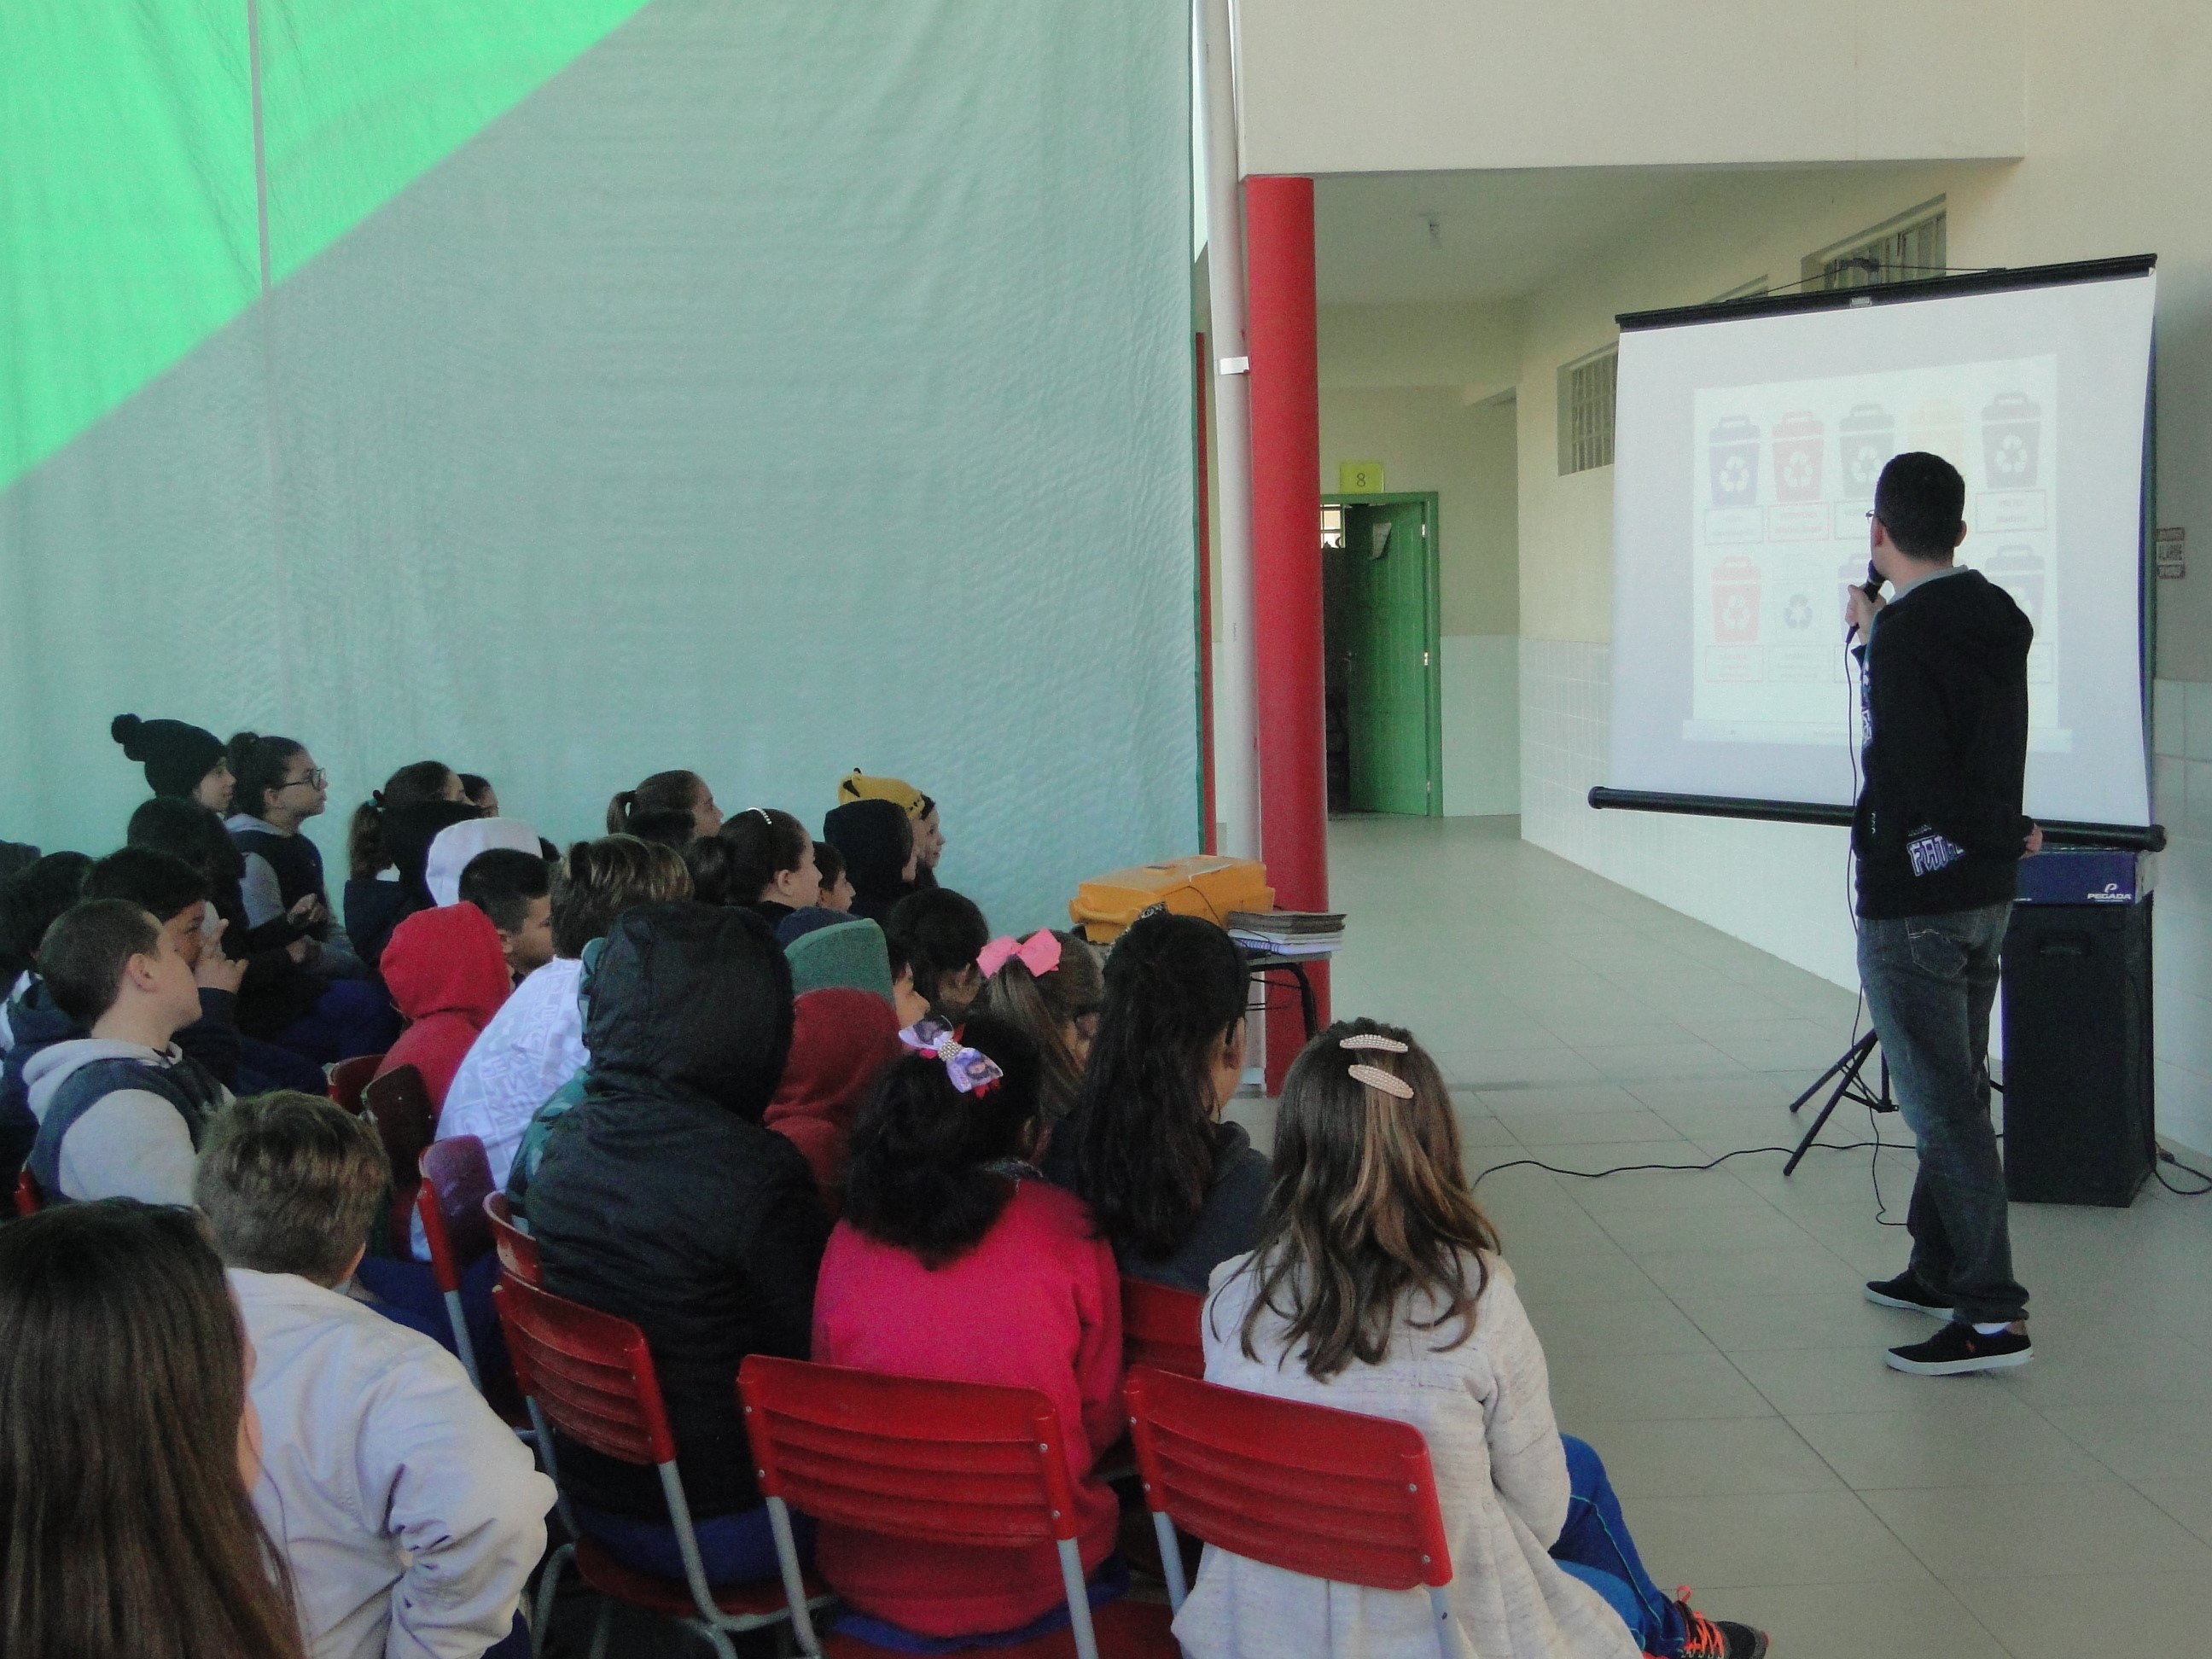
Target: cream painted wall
(1427,438)
(1474,348)
(1385,86)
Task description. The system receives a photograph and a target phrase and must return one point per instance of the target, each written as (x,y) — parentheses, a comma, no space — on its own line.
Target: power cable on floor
(1625,1168)
(2164,1157)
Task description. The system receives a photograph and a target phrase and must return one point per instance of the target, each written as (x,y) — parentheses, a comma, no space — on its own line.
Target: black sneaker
(1716,1638)
(1958,1349)
(1907,1292)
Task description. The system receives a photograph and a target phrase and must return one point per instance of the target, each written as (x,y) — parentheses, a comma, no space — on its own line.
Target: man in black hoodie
(1938,833)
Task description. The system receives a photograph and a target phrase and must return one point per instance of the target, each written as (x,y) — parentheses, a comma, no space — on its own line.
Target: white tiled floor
(1706,1331)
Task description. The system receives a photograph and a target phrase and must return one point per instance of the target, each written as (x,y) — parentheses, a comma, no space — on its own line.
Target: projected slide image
(1780,494)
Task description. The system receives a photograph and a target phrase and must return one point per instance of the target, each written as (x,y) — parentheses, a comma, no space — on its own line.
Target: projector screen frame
(2125,837)
(1996,280)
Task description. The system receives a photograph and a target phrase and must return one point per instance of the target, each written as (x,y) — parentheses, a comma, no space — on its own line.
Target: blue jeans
(1595,1547)
(352,1017)
(1930,983)
(734,1549)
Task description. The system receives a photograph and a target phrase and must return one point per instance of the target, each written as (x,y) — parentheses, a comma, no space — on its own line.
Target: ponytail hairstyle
(259,765)
(1369,1217)
(928,1171)
(1044,1007)
(712,863)
(416,784)
(663,792)
(1144,1141)
(764,841)
(600,879)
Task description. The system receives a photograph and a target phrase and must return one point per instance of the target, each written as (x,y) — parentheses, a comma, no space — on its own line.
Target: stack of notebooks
(1288,932)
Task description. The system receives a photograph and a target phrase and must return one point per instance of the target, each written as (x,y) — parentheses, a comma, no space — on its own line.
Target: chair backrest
(955,1462)
(399,1106)
(29,1201)
(349,1077)
(456,1181)
(518,1250)
(1331,1494)
(1160,1328)
(590,1373)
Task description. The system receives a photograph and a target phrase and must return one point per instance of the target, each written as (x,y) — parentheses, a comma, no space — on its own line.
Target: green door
(1382,589)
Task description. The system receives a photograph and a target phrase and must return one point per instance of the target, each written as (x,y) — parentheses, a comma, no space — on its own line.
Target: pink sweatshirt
(1036,1304)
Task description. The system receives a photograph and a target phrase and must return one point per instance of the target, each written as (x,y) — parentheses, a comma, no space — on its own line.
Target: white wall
(1388,86)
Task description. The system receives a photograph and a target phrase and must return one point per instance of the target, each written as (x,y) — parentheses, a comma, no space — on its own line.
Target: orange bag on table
(1200,885)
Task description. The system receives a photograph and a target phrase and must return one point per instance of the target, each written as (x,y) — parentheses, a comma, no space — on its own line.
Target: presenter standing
(1938,833)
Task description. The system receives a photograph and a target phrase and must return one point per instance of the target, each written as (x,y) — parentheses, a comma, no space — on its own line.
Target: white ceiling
(1499,234)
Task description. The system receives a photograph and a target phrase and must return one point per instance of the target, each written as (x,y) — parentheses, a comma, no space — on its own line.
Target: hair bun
(123,728)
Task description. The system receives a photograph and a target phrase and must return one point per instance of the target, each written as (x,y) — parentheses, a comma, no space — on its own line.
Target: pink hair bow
(971,1070)
(1039,953)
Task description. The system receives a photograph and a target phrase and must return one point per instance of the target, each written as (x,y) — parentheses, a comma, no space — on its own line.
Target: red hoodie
(840,1043)
(448,975)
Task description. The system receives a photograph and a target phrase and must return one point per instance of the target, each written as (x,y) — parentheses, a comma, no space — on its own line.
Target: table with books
(1285,943)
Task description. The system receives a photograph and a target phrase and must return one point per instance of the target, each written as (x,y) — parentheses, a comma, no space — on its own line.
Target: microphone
(1871,588)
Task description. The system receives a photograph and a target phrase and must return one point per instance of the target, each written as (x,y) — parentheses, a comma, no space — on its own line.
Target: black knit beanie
(177,756)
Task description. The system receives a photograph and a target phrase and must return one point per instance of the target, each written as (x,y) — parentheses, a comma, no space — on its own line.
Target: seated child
(515,889)
(837,887)
(448,975)
(936,935)
(657,803)
(877,840)
(120,1110)
(1377,1287)
(1048,984)
(956,1260)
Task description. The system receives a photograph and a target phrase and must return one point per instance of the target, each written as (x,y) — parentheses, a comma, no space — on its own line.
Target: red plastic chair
(591,1376)
(456,1181)
(1160,1328)
(1333,1494)
(29,1201)
(518,1250)
(951,1463)
(399,1106)
(349,1077)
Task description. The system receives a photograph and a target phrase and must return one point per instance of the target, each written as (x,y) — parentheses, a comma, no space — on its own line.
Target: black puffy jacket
(663,1199)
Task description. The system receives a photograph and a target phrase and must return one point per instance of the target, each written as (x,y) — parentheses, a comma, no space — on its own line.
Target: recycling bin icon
(1736,584)
(2021,571)
(1733,454)
(1867,438)
(2012,431)
(1800,446)
(1798,614)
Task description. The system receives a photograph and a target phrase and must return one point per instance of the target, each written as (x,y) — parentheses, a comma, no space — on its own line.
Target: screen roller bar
(2133,838)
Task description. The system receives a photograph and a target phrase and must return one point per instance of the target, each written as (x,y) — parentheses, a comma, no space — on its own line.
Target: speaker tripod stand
(1848,1070)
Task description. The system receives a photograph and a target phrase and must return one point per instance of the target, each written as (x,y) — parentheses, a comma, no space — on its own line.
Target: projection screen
(1747,446)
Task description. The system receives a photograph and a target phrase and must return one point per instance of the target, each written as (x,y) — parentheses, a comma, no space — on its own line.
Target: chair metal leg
(1441,1608)
(1078,1600)
(794,1585)
(548,1585)
(723,1647)
(1171,1559)
(463,1347)
(599,1631)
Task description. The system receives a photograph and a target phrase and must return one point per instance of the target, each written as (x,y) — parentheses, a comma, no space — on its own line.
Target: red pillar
(1286,575)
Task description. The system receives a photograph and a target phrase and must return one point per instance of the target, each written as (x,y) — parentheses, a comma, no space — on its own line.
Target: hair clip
(972,1071)
(1375,1078)
(764,817)
(1039,953)
(1373,1040)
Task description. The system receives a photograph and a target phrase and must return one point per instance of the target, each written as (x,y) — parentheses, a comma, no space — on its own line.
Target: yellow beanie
(858,786)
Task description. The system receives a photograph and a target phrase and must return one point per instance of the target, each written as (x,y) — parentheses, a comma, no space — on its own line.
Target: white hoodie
(132,1143)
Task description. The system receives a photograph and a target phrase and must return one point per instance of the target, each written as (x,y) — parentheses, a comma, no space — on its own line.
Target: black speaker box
(2079,1100)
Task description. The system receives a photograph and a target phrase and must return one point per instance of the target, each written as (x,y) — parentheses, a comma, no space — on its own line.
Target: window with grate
(1586,388)
(1908,248)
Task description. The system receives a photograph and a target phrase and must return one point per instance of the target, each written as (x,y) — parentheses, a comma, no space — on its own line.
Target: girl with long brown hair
(128,1447)
(1378,1287)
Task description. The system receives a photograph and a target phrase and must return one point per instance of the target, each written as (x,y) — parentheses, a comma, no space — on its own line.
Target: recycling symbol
(1735,614)
(1797,471)
(2012,458)
(1798,613)
(1735,476)
(1866,465)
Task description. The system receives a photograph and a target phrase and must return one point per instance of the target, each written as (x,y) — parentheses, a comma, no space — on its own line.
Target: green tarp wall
(567,389)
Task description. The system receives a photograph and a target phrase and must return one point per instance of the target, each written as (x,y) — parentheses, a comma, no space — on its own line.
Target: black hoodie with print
(1939,827)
